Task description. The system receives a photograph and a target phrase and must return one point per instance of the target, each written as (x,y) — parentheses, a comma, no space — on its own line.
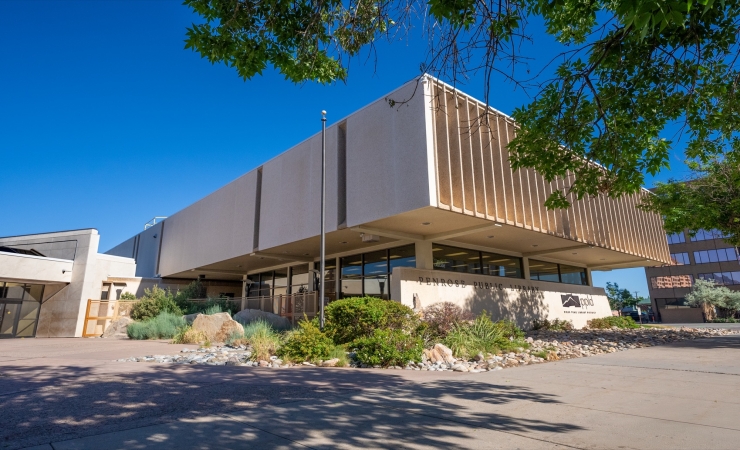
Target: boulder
(248,316)
(216,327)
(330,362)
(440,353)
(117,328)
(189,318)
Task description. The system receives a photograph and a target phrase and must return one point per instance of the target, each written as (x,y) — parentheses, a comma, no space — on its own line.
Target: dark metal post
(322,263)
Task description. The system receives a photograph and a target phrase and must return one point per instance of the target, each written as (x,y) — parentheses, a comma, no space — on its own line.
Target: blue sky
(106,121)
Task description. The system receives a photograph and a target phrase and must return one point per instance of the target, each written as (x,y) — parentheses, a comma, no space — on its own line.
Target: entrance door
(9,319)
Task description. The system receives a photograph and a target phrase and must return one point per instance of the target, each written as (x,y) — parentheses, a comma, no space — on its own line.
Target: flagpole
(322,263)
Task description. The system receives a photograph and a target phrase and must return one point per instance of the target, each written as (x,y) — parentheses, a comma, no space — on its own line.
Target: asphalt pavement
(70,394)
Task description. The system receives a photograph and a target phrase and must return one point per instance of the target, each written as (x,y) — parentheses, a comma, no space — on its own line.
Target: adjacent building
(703,256)
(422,207)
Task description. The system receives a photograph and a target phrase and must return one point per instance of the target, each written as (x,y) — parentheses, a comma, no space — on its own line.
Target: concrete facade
(420,173)
(412,181)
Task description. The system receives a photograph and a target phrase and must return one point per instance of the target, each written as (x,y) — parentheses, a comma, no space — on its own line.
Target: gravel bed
(544,346)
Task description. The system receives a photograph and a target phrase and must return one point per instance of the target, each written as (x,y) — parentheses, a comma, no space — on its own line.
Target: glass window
(351,266)
(299,279)
(14,290)
(672,281)
(573,275)
(402,257)
(543,271)
(377,286)
(27,320)
(280,285)
(375,263)
(705,235)
(253,285)
(680,259)
(501,265)
(676,238)
(722,278)
(369,274)
(456,259)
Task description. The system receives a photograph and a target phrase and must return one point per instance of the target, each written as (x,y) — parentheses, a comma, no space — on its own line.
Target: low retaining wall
(521,301)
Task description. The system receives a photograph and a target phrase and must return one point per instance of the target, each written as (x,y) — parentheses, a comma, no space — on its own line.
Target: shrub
(127,296)
(485,336)
(352,318)
(187,335)
(612,321)
(388,347)
(154,302)
(264,340)
(441,317)
(307,343)
(213,309)
(192,290)
(339,353)
(165,325)
(728,320)
(555,325)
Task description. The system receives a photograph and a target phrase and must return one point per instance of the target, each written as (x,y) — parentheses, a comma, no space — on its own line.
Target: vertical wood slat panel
(526,192)
(476,157)
(506,188)
(463,132)
(475,177)
(443,151)
(486,149)
(454,152)
(516,182)
(639,248)
(444,181)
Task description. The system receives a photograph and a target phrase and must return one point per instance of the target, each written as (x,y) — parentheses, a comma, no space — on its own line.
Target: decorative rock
(216,327)
(441,353)
(189,318)
(264,363)
(117,328)
(247,316)
(459,368)
(330,362)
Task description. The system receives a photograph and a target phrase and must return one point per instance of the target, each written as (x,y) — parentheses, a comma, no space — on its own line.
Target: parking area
(69,394)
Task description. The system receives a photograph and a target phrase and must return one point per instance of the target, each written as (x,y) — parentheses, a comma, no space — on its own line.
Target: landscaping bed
(373,333)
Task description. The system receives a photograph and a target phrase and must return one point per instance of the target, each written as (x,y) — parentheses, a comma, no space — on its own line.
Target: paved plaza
(69,394)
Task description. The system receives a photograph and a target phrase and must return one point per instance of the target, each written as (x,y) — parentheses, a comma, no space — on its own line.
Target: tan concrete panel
(479,185)
(442,148)
(458,201)
(466,156)
(387,160)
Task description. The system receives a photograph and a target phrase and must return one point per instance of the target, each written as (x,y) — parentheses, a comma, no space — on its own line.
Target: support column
(589,280)
(424,255)
(525,268)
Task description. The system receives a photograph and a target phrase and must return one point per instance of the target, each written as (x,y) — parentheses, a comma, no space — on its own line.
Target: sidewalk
(683,395)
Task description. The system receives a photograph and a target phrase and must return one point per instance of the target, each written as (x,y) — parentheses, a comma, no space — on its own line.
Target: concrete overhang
(34,269)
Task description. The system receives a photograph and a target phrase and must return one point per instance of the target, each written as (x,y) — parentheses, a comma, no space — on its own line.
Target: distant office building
(422,207)
(706,256)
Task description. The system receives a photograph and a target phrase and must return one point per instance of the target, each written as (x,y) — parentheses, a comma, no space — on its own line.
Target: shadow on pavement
(50,404)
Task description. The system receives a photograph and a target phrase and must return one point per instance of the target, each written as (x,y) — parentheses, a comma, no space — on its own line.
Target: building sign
(521,301)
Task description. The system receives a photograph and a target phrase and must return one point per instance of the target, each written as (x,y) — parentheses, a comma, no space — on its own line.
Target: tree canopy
(629,71)
(620,298)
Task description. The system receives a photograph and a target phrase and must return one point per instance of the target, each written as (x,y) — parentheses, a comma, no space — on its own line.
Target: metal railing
(100,313)
(291,306)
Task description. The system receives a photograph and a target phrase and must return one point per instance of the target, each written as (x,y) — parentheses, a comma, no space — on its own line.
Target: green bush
(727,320)
(388,347)
(352,318)
(154,302)
(127,296)
(211,306)
(264,340)
(441,317)
(555,325)
(485,336)
(165,325)
(307,343)
(339,353)
(612,321)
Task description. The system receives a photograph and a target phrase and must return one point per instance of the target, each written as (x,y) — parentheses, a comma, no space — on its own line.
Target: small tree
(712,298)
(619,298)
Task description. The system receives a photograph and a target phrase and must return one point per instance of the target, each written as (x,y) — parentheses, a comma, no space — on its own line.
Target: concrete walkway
(68,394)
